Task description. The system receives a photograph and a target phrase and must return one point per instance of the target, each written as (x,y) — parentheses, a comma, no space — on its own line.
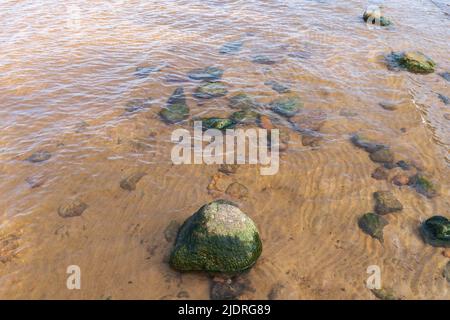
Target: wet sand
(65,86)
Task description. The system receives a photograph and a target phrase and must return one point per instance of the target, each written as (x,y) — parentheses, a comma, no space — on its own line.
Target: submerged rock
(278,87)
(446,272)
(311,140)
(400,179)
(242,101)
(405,165)
(217,123)
(373,15)
(39,156)
(366,144)
(416,62)
(445,75)
(436,231)
(382,156)
(384,294)
(72,209)
(206,74)
(287,106)
(389,106)
(373,224)
(209,90)
(176,108)
(380,173)
(228,168)
(219,237)
(231,47)
(423,185)
(228,288)
(144,72)
(444,99)
(245,116)
(237,190)
(137,105)
(386,202)
(129,183)
(262,59)
(171,231)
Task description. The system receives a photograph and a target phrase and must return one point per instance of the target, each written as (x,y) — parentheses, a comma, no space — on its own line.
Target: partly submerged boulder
(219,237)
(436,231)
(373,15)
(416,62)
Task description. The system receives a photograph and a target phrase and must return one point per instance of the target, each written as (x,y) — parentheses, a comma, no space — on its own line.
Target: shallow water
(68,71)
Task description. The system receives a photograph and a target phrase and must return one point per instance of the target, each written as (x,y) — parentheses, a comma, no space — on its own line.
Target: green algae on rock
(413,61)
(423,185)
(209,90)
(287,106)
(373,15)
(219,237)
(386,202)
(176,109)
(206,74)
(373,224)
(217,123)
(245,116)
(242,101)
(436,231)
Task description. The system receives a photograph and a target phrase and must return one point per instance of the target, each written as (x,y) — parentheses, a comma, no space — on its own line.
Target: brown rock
(446,253)
(380,173)
(129,183)
(382,156)
(228,168)
(265,122)
(237,190)
(72,209)
(386,202)
(311,141)
(400,180)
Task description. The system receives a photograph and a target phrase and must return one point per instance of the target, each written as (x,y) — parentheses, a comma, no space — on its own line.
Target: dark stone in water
(129,183)
(366,144)
(206,74)
(382,156)
(445,75)
(444,99)
(223,288)
(436,231)
(386,202)
(231,47)
(245,116)
(287,106)
(389,165)
(242,101)
(39,156)
(72,209)
(404,165)
(262,59)
(219,237)
(373,224)
(209,90)
(144,72)
(137,105)
(423,185)
(380,173)
(176,109)
(217,123)
(278,87)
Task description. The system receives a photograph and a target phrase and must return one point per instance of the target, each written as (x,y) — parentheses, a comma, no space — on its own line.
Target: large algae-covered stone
(436,231)
(219,237)
(176,109)
(417,62)
(373,224)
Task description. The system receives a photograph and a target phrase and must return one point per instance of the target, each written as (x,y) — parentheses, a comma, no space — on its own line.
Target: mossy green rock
(217,123)
(423,185)
(436,231)
(176,109)
(206,74)
(209,90)
(417,62)
(373,224)
(219,237)
(245,116)
(242,101)
(386,202)
(287,106)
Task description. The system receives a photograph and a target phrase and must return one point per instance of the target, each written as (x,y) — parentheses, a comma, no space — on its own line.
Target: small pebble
(39,156)
(72,209)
